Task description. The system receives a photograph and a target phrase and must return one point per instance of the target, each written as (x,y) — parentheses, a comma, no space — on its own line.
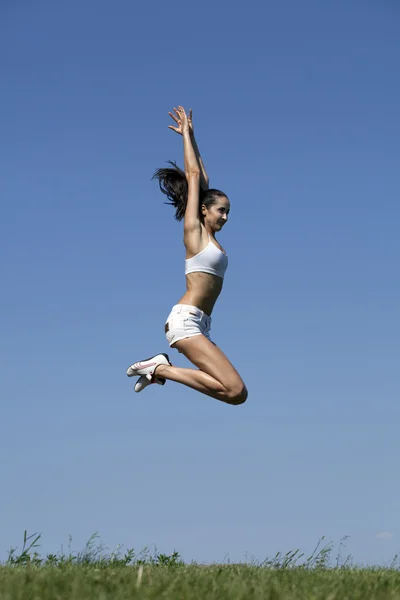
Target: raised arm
(204,181)
(192,224)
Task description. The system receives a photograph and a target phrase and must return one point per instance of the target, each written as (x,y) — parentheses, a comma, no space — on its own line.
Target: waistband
(186,308)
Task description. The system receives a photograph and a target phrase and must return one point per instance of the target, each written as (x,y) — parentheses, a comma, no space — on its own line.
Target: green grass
(96,574)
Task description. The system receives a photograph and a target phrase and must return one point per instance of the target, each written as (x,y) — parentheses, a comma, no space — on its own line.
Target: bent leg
(216,377)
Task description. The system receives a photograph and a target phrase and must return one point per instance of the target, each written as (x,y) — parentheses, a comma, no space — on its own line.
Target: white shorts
(186,321)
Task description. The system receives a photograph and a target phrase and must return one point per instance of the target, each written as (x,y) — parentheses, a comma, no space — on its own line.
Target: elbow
(192,173)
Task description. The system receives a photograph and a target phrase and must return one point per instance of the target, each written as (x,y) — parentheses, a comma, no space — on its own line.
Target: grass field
(93,574)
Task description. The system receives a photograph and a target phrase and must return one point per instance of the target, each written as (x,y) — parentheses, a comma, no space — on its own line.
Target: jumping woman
(204,212)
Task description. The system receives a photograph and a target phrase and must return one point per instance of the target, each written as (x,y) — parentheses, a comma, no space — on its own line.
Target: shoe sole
(160,381)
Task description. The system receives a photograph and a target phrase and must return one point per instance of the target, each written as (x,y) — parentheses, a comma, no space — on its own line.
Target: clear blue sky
(296,109)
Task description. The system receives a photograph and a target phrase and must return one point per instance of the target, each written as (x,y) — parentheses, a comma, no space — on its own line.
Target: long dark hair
(174,185)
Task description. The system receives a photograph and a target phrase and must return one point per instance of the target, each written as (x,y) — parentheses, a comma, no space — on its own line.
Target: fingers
(181,119)
(181,111)
(174,117)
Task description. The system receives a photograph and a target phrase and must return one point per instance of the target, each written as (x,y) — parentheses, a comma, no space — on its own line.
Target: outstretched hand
(184,122)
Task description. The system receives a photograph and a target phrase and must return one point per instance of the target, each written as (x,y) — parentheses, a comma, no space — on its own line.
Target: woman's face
(216,215)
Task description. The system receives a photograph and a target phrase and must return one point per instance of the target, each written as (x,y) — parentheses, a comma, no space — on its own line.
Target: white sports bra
(210,260)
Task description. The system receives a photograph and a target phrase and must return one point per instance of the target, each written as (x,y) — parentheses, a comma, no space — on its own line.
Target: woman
(204,211)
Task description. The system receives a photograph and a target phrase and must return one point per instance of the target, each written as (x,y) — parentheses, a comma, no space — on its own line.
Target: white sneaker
(145,380)
(148,366)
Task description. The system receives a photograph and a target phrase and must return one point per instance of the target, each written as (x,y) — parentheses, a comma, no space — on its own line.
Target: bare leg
(195,379)
(216,376)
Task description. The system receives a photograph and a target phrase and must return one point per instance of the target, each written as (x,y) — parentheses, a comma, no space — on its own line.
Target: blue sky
(295,108)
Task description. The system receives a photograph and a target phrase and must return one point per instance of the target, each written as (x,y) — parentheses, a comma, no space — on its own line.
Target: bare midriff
(202,290)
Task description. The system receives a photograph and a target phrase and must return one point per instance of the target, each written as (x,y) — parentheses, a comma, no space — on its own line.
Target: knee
(237,395)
